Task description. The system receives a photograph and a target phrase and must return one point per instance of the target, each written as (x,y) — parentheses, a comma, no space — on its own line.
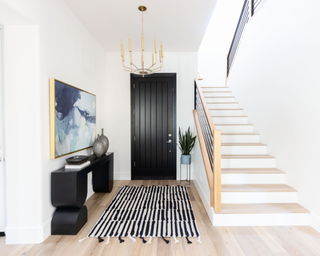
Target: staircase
(253,191)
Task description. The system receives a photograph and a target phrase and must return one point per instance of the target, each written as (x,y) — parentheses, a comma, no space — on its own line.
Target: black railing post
(204,124)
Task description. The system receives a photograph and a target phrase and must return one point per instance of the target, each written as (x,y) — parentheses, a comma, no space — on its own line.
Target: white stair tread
(228,116)
(220,109)
(223,103)
(246,157)
(219,96)
(243,144)
(232,124)
(240,133)
(256,188)
(216,91)
(203,87)
(251,171)
(262,208)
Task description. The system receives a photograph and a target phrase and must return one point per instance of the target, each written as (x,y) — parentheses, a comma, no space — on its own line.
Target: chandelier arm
(135,66)
(152,65)
(126,68)
(159,68)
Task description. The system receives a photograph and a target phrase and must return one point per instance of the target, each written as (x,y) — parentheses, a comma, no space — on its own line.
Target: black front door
(153,126)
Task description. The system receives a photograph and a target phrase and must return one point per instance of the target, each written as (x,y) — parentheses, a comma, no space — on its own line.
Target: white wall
(216,41)
(2,176)
(275,77)
(42,39)
(118,104)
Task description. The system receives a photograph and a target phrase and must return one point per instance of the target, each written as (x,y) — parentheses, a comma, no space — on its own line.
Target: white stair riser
(234,128)
(240,138)
(224,112)
(228,93)
(276,219)
(208,100)
(243,150)
(222,105)
(230,120)
(204,88)
(248,163)
(258,197)
(254,178)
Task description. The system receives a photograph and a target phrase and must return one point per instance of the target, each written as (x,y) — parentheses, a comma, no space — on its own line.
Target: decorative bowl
(76,160)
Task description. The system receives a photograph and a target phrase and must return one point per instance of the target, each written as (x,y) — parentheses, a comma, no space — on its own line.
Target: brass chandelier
(143,70)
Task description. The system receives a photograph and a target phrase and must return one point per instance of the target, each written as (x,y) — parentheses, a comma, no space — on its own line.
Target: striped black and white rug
(146,212)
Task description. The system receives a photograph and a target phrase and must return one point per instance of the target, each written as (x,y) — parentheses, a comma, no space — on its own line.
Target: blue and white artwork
(75,119)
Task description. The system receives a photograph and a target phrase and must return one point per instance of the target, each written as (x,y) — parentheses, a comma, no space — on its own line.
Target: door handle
(169,141)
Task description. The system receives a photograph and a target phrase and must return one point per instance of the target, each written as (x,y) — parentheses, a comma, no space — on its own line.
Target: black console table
(69,192)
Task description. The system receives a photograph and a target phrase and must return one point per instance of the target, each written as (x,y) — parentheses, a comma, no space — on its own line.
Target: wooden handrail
(213,171)
(204,153)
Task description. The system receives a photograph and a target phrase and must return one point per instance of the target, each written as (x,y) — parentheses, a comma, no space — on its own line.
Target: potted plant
(186,144)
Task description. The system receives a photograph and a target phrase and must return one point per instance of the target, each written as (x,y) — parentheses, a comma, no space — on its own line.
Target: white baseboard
(47,229)
(314,221)
(122,176)
(205,201)
(28,235)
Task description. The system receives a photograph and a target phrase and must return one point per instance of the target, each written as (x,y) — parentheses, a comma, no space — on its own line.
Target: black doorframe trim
(174,84)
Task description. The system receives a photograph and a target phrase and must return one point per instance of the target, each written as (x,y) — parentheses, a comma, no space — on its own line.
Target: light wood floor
(229,241)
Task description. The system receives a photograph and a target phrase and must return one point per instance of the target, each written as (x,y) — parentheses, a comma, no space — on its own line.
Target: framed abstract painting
(72,119)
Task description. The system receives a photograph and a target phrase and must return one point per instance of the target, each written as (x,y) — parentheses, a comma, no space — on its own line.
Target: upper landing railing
(210,144)
(248,10)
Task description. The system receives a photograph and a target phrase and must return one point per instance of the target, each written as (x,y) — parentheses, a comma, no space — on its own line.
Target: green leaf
(186,141)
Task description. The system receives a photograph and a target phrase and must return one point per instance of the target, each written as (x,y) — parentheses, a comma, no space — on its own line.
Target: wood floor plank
(290,242)
(273,245)
(250,241)
(230,241)
(307,237)
(216,241)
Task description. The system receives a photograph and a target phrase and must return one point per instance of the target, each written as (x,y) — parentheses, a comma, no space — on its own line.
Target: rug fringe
(133,240)
(189,242)
(83,239)
(167,241)
(121,240)
(100,239)
(149,242)
(175,240)
(144,241)
(108,240)
(199,241)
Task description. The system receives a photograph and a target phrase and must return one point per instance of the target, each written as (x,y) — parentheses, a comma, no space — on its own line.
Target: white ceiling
(180,24)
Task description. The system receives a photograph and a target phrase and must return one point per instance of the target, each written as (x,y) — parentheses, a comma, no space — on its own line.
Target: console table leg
(68,221)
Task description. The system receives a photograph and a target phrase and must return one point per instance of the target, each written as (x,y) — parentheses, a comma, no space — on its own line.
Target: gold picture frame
(72,119)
